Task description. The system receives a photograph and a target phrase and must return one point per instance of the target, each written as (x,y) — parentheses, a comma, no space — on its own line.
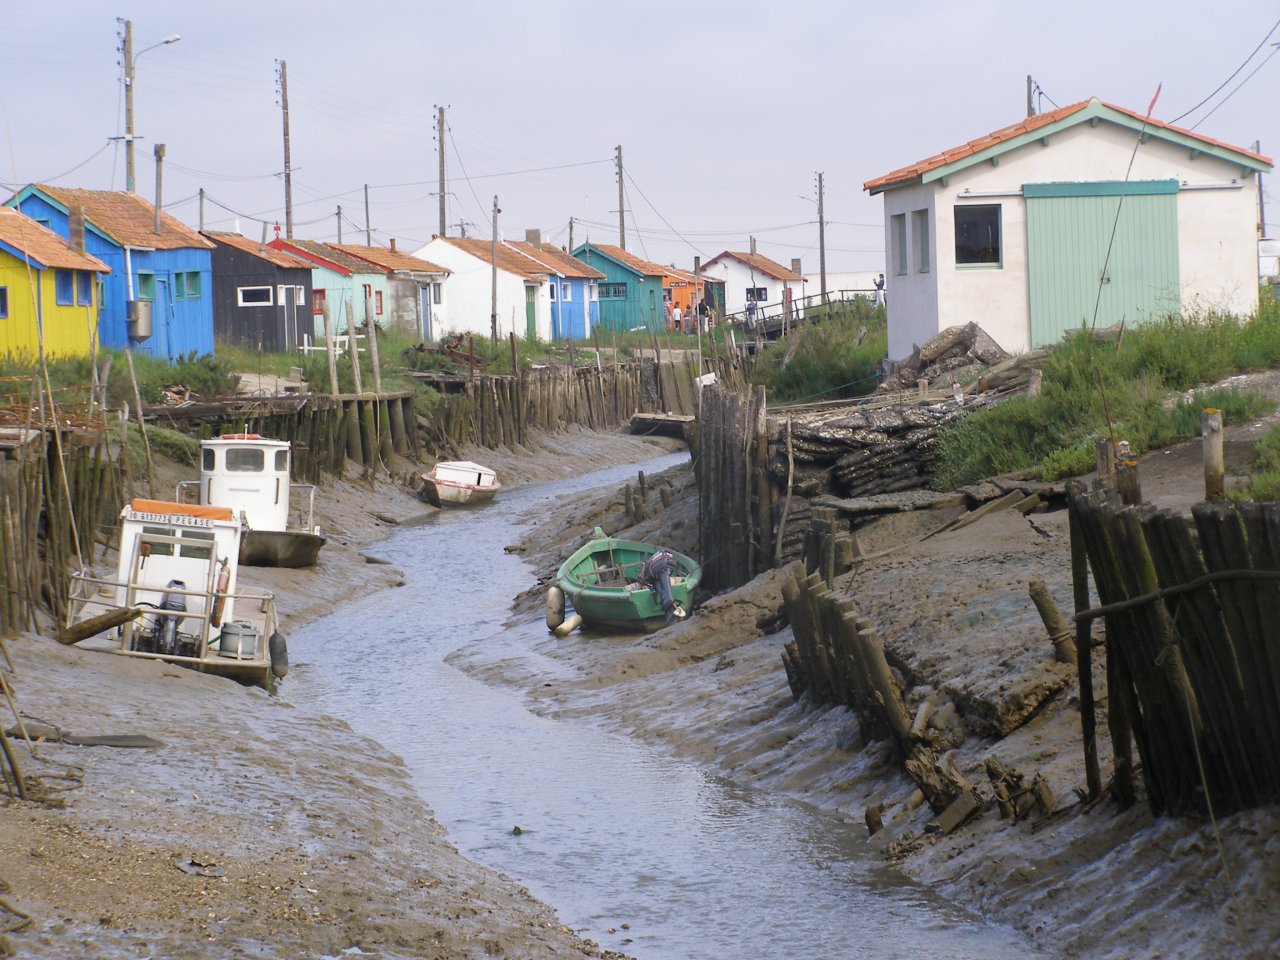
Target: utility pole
(622,207)
(130,64)
(339,223)
(822,241)
(159,153)
(440,151)
(288,167)
(493,312)
(202,209)
(128,105)
(571,234)
(1262,208)
(368,234)
(1031,107)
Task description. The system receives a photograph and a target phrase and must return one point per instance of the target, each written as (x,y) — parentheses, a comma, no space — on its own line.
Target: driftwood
(96,625)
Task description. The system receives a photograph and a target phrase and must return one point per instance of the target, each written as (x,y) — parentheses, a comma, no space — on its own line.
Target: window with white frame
(566,292)
(920,239)
(978,234)
(436,292)
(254,296)
(898,242)
(551,289)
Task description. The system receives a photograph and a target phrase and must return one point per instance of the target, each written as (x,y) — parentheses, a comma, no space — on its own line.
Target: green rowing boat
(599,580)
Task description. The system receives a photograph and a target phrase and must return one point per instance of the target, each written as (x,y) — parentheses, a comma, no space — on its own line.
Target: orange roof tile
(43,245)
(509,259)
(913,172)
(127,218)
(760,263)
(280,258)
(646,268)
(559,260)
(389,259)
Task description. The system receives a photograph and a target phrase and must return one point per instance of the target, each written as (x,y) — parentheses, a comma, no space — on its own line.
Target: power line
(660,216)
(1237,87)
(1233,74)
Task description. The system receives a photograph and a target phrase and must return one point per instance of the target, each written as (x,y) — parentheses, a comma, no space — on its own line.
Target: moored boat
(458,483)
(177,597)
(601,581)
(249,474)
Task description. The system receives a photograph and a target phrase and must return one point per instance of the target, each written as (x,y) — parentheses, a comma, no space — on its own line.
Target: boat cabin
(249,474)
(178,565)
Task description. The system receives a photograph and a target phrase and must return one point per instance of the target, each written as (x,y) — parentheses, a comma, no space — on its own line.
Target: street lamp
(130,61)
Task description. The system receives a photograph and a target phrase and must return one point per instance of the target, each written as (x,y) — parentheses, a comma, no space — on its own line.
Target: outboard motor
(167,640)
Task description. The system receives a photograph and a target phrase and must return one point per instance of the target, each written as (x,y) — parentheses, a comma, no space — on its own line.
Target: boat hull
(599,581)
(442,493)
(280,548)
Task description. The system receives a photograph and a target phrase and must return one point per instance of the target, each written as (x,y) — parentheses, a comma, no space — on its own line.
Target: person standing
(751,311)
(880,290)
(677,319)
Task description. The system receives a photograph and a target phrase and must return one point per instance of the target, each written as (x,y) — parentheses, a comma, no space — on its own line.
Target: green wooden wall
(1070,227)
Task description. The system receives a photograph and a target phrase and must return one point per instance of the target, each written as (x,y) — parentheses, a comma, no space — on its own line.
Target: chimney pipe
(533,238)
(795,267)
(75,228)
(393,244)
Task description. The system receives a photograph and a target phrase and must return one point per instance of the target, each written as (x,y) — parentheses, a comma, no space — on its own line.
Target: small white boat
(249,474)
(458,483)
(176,597)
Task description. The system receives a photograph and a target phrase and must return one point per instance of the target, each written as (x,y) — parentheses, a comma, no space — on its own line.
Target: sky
(725,113)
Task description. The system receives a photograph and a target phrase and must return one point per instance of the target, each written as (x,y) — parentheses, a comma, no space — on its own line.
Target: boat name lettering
(172,519)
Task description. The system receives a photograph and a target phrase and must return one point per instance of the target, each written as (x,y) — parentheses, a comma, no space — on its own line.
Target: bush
(826,359)
(1096,387)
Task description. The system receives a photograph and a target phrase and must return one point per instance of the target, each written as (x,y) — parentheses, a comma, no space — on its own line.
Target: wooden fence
(1193,660)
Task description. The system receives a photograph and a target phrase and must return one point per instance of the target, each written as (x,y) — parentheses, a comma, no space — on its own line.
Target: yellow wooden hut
(48,290)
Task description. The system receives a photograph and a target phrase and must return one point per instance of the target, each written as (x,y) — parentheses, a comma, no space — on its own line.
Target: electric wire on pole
(282,76)
(622,206)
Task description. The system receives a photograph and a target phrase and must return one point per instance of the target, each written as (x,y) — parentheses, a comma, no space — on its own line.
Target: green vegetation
(1264,477)
(1094,387)
(836,358)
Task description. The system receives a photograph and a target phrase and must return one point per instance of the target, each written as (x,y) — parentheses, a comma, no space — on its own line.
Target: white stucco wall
(738,277)
(467,295)
(1216,232)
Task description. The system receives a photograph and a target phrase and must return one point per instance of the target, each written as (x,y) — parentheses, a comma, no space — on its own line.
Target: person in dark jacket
(656,575)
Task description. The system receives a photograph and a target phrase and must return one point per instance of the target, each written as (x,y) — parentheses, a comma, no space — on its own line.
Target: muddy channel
(638,849)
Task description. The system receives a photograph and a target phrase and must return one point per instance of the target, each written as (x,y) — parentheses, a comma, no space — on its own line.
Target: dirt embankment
(955,615)
(253,829)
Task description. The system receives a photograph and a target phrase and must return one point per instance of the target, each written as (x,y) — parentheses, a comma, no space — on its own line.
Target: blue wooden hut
(169,270)
(631,291)
(573,288)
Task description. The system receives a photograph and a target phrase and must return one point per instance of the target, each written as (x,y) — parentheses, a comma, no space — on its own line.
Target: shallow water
(613,831)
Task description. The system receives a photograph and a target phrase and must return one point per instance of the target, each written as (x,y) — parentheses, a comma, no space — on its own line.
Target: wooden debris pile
(955,354)
(864,450)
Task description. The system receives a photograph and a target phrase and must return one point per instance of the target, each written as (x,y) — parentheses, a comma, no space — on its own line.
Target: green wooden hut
(631,291)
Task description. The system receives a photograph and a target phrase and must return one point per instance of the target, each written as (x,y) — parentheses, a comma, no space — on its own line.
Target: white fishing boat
(176,595)
(458,483)
(249,474)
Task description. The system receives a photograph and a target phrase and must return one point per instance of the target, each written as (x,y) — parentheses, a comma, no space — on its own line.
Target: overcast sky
(725,112)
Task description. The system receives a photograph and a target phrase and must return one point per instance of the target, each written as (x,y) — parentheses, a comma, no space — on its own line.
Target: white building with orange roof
(523,303)
(1089,215)
(754,278)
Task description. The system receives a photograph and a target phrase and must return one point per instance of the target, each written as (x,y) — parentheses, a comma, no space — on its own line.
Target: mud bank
(953,609)
(253,829)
